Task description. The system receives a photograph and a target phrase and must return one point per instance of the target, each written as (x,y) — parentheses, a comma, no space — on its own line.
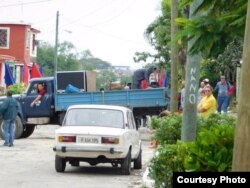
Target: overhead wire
(21,3)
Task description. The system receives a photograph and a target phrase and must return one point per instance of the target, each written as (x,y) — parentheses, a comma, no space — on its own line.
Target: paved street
(30,163)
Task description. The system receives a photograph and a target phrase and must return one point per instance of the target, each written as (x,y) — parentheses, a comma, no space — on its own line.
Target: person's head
(202,84)
(40,86)
(152,69)
(206,81)
(9,93)
(208,90)
(222,79)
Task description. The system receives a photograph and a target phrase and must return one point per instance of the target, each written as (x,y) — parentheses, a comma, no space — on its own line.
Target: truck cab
(45,107)
(28,117)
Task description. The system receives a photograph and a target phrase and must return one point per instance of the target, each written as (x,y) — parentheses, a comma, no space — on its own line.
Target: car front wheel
(60,164)
(126,164)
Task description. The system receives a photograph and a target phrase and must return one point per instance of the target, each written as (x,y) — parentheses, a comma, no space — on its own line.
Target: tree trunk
(188,132)
(241,154)
(174,59)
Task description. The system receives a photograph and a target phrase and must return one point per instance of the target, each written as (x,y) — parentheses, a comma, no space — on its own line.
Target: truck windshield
(94,117)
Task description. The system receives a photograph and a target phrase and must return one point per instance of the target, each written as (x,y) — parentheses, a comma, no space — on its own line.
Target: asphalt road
(30,164)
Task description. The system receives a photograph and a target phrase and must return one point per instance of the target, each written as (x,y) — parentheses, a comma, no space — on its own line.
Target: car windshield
(94,117)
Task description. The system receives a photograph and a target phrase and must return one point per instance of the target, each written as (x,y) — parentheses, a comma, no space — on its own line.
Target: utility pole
(56,43)
(189,118)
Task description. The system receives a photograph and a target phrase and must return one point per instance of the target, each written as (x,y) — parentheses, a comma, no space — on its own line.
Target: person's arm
(36,100)
(4,106)
(147,75)
(216,87)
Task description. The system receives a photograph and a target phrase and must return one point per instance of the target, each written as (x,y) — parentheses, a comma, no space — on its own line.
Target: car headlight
(66,139)
(110,140)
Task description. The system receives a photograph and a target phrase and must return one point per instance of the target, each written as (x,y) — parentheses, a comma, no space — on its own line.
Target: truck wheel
(126,164)
(138,161)
(61,118)
(18,128)
(28,131)
(60,164)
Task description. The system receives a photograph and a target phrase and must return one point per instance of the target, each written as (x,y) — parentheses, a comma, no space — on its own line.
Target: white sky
(111,29)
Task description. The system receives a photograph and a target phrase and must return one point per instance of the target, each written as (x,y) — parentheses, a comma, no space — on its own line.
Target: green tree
(104,79)
(45,58)
(219,18)
(67,58)
(158,34)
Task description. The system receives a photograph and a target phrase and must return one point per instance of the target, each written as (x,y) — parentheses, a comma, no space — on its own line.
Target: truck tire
(18,128)
(61,117)
(28,131)
(60,164)
(126,164)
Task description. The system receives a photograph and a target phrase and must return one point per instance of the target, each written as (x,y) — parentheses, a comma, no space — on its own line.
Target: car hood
(89,130)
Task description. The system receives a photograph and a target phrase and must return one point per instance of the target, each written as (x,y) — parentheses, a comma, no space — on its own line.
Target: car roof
(99,106)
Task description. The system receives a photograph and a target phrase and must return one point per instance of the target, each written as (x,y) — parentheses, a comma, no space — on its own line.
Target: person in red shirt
(41,93)
(230,93)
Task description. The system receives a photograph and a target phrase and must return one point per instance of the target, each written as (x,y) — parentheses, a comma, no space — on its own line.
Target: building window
(4,37)
(28,38)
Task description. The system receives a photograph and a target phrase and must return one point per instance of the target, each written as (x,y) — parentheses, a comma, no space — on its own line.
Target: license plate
(89,140)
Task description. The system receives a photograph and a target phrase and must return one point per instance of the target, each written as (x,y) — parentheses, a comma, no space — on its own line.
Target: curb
(147,181)
(145,135)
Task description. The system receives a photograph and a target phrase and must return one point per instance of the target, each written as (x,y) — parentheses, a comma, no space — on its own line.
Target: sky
(113,30)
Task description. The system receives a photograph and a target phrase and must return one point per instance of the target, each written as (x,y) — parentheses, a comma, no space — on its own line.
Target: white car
(98,134)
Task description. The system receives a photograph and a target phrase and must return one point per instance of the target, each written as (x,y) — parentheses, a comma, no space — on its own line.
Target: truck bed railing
(130,98)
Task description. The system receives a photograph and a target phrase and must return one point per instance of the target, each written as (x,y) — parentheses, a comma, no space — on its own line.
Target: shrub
(168,158)
(212,150)
(17,88)
(155,122)
(169,129)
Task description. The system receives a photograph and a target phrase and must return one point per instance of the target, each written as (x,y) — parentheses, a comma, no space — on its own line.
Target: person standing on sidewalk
(222,88)
(8,111)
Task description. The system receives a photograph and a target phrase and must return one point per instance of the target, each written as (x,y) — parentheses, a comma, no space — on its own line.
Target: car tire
(18,128)
(138,161)
(60,164)
(126,164)
(28,131)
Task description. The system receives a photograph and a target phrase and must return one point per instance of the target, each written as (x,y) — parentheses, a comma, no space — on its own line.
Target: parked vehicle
(98,134)
(53,105)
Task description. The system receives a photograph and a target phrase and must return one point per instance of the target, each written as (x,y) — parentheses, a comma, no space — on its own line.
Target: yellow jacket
(209,104)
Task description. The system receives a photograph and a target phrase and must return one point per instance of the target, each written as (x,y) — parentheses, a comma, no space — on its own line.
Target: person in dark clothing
(9,109)
(142,74)
(41,93)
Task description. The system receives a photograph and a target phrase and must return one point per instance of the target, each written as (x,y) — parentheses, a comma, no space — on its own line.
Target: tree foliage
(70,60)
(221,22)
